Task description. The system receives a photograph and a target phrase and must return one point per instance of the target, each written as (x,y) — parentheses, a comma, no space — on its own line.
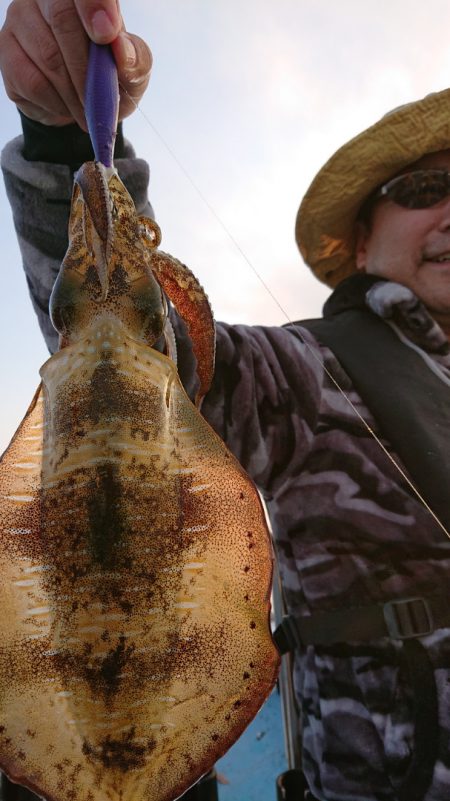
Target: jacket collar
(396,304)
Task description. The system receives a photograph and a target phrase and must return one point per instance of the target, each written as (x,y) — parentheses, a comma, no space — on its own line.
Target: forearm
(265,398)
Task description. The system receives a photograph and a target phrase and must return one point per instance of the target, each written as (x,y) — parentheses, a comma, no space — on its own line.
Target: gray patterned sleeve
(265,398)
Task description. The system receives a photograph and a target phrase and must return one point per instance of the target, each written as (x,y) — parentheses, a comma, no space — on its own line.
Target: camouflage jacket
(349,530)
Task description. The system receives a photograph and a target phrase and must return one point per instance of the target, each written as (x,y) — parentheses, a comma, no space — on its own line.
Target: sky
(250,97)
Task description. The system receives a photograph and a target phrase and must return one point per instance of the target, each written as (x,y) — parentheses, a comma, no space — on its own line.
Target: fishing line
(209,206)
(311,350)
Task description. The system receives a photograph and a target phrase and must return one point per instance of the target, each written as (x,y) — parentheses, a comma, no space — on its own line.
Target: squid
(135,558)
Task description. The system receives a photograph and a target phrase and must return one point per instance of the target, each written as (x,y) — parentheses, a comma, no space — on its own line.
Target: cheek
(401,241)
(381,253)
(395,244)
(393,255)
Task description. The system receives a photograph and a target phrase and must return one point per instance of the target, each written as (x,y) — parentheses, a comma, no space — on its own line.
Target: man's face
(409,245)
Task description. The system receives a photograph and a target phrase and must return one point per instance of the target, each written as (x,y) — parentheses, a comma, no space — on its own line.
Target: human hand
(44,47)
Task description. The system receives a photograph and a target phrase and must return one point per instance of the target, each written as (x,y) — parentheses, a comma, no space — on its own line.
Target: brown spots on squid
(107,523)
(120,753)
(109,395)
(140,433)
(103,674)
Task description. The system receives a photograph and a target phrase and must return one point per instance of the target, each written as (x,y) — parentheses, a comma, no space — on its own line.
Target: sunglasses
(417,190)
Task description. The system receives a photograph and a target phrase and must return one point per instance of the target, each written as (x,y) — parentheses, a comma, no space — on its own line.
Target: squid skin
(135,559)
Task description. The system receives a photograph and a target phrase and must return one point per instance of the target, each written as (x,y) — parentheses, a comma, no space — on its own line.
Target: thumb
(101,19)
(134,62)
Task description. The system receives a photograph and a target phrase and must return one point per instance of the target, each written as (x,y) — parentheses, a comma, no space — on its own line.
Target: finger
(28,87)
(40,115)
(62,18)
(134,62)
(101,19)
(43,50)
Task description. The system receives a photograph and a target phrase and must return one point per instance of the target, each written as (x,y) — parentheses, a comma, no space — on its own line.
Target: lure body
(101,102)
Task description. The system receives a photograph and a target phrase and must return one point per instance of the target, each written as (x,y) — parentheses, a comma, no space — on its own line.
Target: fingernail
(102,26)
(128,50)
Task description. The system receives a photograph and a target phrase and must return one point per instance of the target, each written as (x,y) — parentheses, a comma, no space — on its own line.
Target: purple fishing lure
(102,102)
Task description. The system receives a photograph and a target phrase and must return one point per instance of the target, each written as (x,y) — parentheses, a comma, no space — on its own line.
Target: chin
(438,307)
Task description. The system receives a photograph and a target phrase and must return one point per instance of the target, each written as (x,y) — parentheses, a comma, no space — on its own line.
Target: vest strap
(399,619)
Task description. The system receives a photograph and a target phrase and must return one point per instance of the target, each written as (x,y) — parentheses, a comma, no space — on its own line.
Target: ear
(362,235)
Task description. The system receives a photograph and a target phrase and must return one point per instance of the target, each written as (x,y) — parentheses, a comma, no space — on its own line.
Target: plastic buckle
(408,617)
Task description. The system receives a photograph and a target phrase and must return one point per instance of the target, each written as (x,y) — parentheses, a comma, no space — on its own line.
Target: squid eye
(150,232)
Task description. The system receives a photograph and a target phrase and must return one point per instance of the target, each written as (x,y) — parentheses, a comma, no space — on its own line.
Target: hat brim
(325,225)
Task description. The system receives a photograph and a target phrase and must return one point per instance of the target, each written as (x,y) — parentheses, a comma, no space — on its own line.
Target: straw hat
(326,218)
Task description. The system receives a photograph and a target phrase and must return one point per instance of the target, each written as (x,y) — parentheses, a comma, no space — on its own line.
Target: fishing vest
(411,406)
